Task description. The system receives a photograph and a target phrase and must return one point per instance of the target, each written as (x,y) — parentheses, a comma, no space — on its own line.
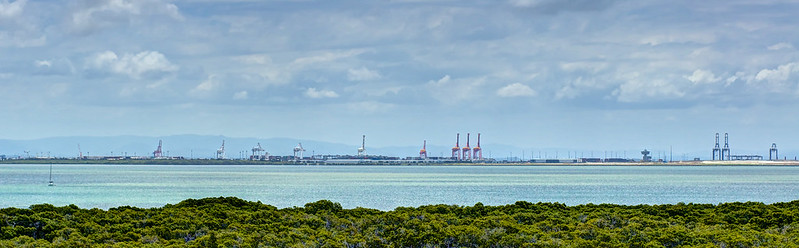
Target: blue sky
(581,74)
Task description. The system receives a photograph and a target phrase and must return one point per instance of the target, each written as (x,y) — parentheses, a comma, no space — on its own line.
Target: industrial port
(466,155)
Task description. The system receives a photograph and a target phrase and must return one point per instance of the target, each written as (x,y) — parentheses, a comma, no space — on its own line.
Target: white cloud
(638,89)
(780,46)
(453,91)
(43,63)
(573,89)
(143,64)
(241,95)
(593,67)
(733,78)
(108,13)
(314,93)
(324,58)
(362,74)
(11,9)
(56,66)
(703,76)
(782,73)
(683,37)
(516,90)
(207,85)
(444,80)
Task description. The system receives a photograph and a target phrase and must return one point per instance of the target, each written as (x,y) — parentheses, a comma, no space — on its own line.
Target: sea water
(388,187)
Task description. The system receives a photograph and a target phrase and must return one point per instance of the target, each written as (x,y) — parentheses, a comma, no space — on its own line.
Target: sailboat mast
(51,176)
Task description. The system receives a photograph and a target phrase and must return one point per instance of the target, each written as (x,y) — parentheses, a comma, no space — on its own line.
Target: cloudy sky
(576,74)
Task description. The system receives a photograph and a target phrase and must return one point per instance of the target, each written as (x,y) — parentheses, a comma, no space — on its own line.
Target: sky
(572,74)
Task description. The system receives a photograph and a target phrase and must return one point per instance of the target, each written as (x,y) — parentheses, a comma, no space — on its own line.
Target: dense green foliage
(232,222)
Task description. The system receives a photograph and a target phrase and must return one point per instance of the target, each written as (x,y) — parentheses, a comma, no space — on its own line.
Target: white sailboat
(51,176)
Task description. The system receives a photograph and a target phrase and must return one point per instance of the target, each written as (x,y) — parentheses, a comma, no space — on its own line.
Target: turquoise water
(387,187)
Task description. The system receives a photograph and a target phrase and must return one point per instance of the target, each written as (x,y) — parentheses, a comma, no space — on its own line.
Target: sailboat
(51,176)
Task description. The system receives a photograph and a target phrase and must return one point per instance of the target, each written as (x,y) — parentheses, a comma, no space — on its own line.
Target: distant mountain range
(205,146)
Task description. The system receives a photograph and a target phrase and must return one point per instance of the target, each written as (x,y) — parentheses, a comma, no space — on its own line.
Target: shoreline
(393,163)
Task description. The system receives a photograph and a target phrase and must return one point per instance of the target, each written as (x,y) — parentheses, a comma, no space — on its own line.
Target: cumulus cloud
(781,73)
(637,88)
(362,74)
(314,93)
(703,76)
(456,90)
(147,64)
(516,90)
(207,87)
(592,67)
(556,6)
(17,28)
(577,87)
(780,46)
(103,14)
(11,9)
(679,38)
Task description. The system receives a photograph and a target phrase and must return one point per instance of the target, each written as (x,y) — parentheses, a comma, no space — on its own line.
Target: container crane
(457,149)
(423,152)
(773,150)
(725,152)
(158,153)
(299,150)
(256,151)
(467,151)
(477,152)
(362,149)
(220,153)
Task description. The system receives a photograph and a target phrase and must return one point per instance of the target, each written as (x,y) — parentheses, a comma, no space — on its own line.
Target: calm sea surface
(387,187)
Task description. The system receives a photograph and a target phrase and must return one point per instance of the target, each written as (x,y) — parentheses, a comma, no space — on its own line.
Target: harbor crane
(256,151)
(717,149)
(477,152)
(423,152)
(158,153)
(220,153)
(362,149)
(725,152)
(467,151)
(457,149)
(773,150)
(298,150)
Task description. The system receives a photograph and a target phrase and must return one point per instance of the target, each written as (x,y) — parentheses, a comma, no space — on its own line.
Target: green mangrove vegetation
(233,222)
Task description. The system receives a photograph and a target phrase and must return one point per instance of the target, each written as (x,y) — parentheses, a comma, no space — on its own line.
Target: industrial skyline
(579,75)
(193,146)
